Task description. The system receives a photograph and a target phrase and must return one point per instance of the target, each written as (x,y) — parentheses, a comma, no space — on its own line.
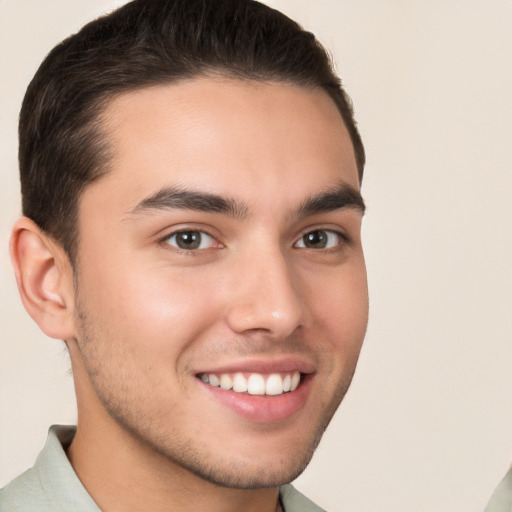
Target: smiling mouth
(272,384)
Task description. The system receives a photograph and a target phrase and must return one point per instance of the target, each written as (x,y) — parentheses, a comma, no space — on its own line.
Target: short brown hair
(144,43)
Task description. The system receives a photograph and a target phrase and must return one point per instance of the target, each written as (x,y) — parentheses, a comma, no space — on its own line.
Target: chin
(247,467)
(237,474)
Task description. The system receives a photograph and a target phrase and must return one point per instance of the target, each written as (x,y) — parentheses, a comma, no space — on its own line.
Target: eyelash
(342,240)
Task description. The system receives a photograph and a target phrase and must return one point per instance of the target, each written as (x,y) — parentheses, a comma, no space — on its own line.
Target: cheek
(141,325)
(341,311)
(155,307)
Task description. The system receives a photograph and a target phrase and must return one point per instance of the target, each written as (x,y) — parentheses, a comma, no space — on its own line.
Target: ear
(45,279)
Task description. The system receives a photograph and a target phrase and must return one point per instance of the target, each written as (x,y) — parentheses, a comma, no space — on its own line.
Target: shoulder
(24,494)
(51,485)
(501,500)
(294,501)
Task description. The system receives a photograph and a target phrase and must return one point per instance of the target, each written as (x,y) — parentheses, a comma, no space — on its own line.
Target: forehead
(227,137)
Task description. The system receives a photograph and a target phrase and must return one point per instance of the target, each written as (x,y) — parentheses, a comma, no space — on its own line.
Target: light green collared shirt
(501,500)
(53,486)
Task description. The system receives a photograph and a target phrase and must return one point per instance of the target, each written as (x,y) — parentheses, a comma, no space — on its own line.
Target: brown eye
(319,239)
(190,240)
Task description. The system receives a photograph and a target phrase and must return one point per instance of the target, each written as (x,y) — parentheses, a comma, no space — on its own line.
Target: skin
(142,317)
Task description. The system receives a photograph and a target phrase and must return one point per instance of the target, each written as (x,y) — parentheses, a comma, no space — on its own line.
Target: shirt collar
(57,476)
(64,488)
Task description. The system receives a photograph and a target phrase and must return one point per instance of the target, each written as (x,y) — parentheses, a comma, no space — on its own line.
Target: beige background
(427,425)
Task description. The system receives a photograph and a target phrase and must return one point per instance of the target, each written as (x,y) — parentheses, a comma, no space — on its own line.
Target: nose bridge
(268,295)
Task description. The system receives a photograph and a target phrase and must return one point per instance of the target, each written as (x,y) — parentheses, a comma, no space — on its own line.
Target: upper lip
(264,366)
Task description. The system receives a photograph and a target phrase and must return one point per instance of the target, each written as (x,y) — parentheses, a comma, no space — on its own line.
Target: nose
(267,296)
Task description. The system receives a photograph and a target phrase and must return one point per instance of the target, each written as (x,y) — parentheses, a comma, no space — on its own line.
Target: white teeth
(274,385)
(225,381)
(257,384)
(239,383)
(295,381)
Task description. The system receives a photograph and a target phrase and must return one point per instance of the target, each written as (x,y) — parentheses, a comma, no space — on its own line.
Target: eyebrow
(183,199)
(342,196)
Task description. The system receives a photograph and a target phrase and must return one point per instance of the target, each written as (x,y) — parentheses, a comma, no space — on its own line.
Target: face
(221,286)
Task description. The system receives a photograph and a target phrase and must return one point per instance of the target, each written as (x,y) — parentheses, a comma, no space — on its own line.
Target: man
(191,176)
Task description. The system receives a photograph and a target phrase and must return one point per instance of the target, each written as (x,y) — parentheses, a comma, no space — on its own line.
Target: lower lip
(263,408)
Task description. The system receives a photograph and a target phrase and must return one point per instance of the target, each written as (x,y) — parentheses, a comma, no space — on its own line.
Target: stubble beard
(184,452)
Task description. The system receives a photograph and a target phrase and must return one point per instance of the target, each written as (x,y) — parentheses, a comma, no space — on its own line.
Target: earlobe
(45,279)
